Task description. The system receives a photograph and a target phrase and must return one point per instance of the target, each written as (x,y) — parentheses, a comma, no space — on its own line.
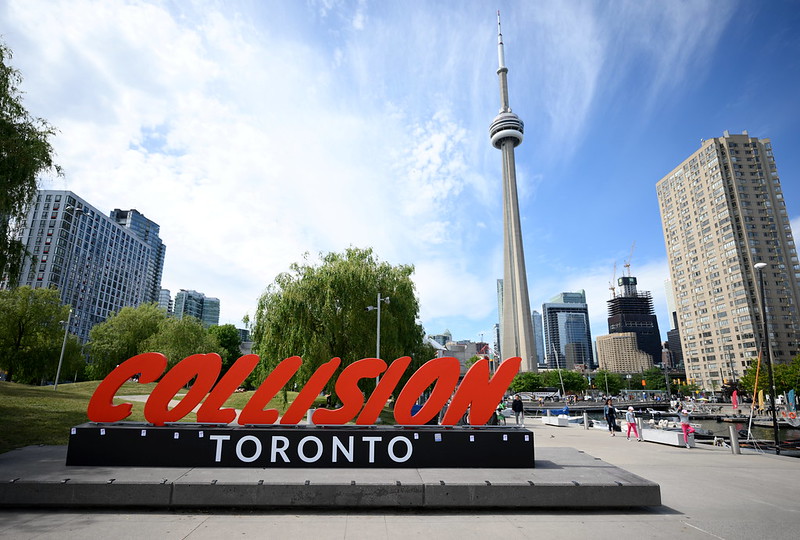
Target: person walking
(630,418)
(610,415)
(518,409)
(686,427)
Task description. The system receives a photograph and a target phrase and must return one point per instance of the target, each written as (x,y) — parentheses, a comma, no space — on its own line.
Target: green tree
(178,338)
(31,334)
(228,338)
(786,377)
(25,154)
(319,312)
(607,382)
(573,381)
(526,382)
(654,377)
(471,360)
(120,337)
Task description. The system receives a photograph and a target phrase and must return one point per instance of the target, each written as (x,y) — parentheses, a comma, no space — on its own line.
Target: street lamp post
(63,346)
(765,346)
(378,334)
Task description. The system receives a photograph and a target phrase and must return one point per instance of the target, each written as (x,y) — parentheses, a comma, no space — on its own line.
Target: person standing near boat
(610,415)
(518,409)
(687,428)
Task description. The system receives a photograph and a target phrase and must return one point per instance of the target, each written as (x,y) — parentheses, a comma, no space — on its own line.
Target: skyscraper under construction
(632,311)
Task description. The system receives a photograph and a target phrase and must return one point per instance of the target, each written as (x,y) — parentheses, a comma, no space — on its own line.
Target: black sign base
(130,444)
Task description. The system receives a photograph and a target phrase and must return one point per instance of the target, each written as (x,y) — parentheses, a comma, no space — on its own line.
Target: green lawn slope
(31,415)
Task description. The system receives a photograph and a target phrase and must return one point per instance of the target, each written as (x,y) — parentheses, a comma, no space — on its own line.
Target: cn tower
(506,134)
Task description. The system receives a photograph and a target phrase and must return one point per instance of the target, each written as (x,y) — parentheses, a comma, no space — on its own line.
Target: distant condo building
(567,332)
(538,337)
(100,264)
(442,339)
(722,212)
(195,304)
(673,335)
(620,353)
(165,301)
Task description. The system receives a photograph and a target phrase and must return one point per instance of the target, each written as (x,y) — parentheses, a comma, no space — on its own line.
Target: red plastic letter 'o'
(481,394)
(149,366)
(445,372)
(205,366)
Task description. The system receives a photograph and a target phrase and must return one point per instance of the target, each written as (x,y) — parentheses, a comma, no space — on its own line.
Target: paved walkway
(707,492)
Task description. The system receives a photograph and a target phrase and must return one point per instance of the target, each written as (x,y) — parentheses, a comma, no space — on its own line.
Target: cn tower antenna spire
(502,70)
(500,57)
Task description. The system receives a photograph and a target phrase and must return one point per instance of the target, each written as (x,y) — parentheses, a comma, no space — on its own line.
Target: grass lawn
(32,415)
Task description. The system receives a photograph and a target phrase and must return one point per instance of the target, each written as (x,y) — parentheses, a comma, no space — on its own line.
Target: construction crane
(628,262)
(612,284)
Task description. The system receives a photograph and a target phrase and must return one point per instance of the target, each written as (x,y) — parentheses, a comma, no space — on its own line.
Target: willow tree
(319,311)
(179,338)
(122,336)
(25,154)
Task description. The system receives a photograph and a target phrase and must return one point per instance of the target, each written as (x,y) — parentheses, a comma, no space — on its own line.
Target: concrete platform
(37,476)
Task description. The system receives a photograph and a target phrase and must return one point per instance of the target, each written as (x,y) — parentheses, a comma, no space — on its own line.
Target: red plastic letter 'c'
(101,408)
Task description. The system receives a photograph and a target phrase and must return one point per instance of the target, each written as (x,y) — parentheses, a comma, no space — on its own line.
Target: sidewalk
(707,492)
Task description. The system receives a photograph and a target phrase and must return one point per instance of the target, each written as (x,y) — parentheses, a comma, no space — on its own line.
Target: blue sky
(254,132)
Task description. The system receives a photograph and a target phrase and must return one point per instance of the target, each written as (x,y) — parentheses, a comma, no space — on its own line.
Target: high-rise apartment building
(632,311)
(147,231)
(567,331)
(98,265)
(197,305)
(722,212)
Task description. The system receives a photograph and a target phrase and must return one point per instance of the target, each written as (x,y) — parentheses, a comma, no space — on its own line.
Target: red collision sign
(479,391)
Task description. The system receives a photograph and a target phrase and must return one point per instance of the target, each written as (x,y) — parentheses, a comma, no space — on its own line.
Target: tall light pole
(63,346)
(765,347)
(378,333)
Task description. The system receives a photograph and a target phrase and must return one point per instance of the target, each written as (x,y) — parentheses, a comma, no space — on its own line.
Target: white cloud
(251,142)
(244,169)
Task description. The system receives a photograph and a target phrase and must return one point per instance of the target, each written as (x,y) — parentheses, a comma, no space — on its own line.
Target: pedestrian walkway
(707,492)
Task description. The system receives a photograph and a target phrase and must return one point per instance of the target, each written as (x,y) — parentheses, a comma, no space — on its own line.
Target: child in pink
(630,418)
(687,429)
